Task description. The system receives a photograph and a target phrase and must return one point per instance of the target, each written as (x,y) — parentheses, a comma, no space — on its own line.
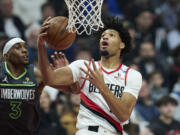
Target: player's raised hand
(43,31)
(95,75)
(59,60)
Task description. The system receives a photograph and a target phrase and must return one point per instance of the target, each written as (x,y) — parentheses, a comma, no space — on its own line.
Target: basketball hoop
(84,16)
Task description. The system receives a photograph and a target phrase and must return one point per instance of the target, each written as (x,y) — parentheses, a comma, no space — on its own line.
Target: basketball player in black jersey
(20,88)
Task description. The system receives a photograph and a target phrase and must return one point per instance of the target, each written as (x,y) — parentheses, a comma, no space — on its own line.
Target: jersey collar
(15,78)
(110,71)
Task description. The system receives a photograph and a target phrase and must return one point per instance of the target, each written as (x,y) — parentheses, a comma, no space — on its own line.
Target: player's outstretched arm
(61,76)
(60,60)
(123,107)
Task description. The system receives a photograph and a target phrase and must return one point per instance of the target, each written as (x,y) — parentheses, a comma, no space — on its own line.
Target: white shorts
(101,131)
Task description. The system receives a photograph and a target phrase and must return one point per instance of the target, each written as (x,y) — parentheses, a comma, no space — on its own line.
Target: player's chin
(25,62)
(104,53)
(103,49)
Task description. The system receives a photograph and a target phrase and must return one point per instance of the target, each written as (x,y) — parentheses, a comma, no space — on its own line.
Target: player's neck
(14,69)
(112,62)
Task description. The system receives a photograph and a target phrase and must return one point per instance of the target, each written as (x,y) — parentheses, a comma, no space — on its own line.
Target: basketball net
(84,16)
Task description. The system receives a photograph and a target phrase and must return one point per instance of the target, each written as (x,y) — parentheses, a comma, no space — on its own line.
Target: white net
(84,16)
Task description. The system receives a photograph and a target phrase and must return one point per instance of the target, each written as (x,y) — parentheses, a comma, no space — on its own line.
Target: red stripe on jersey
(110,71)
(86,76)
(126,74)
(97,110)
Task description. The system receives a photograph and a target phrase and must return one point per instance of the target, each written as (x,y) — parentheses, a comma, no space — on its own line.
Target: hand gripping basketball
(58,37)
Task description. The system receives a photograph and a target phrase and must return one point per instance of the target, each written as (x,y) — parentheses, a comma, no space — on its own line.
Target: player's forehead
(20,44)
(110,31)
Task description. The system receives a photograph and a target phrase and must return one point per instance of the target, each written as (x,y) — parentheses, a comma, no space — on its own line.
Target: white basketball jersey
(93,109)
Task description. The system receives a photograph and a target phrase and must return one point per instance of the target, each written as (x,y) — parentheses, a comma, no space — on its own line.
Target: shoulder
(131,73)
(133,82)
(78,63)
(134,73)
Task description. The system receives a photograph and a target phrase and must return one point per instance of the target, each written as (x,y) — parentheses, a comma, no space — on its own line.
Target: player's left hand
(95,75)
(59,60)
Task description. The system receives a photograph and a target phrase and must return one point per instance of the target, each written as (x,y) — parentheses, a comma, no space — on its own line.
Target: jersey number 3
(16,110)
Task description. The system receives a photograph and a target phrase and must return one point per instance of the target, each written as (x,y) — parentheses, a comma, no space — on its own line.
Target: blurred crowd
(154,26)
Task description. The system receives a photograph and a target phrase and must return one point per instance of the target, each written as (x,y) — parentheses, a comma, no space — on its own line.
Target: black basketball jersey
(19,102)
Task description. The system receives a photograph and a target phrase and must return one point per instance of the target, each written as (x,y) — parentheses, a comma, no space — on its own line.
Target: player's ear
(5,57)
(122,45)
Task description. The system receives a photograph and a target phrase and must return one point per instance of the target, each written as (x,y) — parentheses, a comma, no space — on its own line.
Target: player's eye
(25,47)
(17,47)
(111,35)
(102,35)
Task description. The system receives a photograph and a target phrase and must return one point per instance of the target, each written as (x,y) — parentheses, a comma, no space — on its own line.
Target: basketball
(58,37)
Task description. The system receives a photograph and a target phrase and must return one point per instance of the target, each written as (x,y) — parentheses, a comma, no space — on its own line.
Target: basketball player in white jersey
(108,88)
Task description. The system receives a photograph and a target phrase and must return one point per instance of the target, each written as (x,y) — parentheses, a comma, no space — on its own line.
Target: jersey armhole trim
(126,75)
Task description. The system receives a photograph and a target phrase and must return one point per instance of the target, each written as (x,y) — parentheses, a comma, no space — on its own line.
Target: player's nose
(24,50)
(105,38)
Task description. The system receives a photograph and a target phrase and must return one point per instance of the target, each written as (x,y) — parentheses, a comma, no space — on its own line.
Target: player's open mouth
(104,44)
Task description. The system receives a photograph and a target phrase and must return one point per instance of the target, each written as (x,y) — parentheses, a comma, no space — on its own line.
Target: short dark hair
(114,22)
(165,100)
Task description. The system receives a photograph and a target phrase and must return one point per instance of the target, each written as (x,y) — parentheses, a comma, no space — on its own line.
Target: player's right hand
(43,31)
